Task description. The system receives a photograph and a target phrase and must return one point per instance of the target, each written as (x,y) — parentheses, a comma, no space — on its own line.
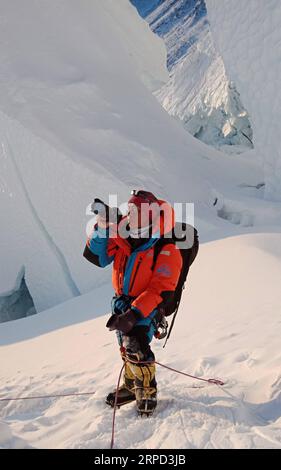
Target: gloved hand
(106,215)
(124,322)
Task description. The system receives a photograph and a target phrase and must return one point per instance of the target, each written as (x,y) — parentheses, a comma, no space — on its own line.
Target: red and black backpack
(187,238)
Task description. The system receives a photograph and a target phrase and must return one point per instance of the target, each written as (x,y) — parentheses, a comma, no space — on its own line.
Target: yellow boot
(145,386)
(126,392)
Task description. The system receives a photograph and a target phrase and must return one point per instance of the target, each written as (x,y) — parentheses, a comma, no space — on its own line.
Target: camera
(110,214)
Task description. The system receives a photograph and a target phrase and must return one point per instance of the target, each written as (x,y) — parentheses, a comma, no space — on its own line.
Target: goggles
(140,196)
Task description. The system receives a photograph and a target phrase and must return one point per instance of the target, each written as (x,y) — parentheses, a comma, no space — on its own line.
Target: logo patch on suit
(165,270)
(164,252)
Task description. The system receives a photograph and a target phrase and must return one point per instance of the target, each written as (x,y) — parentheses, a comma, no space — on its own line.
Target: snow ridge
(42,228)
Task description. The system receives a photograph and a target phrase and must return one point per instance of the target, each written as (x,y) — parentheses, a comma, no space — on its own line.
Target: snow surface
(248,36)
(232,331)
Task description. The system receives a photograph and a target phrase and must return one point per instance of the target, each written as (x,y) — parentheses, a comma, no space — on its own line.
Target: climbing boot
(145,387)
(126,393)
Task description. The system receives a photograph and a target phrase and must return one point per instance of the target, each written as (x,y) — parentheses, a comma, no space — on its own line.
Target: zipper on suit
(121,270)
(135,273)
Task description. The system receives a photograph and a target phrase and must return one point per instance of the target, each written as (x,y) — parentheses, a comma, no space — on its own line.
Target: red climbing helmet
(139,197)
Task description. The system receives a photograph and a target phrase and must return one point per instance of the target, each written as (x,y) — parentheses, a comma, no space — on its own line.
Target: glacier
(199,93)
(71,129)
(248,37)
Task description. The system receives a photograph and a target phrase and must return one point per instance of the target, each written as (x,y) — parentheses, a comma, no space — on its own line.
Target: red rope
(211,381)
(115,406)
(48,396)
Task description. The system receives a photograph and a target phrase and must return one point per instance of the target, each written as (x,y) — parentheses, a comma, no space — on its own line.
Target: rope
(62,395)
(210,381)
(115,406)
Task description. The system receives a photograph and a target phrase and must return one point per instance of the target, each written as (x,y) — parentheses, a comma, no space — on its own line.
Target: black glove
(124,322)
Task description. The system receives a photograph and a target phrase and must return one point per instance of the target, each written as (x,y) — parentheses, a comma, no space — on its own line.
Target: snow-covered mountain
(198,93)
(248,36)
(71,129)
(79,120)
(65,129)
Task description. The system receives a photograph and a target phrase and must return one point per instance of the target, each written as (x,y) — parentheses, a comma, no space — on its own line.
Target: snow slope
(59,128)
(232,332)
(248,36)
(60,133)
(72,129)
(198,92)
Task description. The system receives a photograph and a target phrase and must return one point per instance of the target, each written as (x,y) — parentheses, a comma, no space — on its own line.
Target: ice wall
(248,36)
